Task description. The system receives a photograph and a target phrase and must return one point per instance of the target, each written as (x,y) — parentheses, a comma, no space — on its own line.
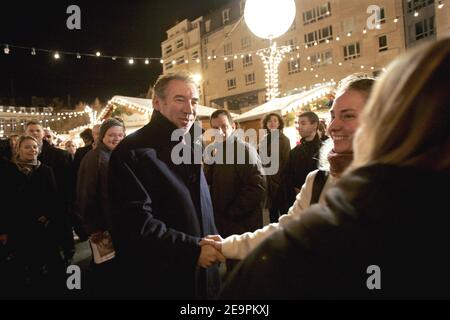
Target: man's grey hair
(159,89)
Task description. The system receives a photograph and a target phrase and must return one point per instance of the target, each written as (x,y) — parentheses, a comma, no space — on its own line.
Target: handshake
(211,252)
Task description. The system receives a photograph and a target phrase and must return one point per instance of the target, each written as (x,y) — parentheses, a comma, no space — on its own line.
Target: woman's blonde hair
(407,119)
(20,140)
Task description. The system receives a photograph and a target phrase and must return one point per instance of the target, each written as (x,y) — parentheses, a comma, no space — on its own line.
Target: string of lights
(8,48)
(45,114)
(45,119)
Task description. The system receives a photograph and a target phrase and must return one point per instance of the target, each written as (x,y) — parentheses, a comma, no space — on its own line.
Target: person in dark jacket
(303,159)
(30,216)
(161,209)
(238,188)
(93,208)
(8,152)
(71,148)
(273,124)
(60,162)
(93,205)
(384,231)
(88,138)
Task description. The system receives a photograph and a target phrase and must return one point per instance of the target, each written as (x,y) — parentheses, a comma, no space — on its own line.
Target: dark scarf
(339,162)
(27,167)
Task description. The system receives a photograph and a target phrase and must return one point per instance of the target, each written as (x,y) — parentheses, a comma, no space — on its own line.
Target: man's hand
(3,239)
(209,256)
(215,241)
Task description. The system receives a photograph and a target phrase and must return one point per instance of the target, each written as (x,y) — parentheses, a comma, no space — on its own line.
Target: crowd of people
(367,189)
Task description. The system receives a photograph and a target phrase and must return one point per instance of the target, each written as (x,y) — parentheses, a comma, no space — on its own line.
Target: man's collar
(316,138)
(165,129)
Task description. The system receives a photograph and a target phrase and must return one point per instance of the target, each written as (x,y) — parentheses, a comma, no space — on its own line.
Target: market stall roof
(288,104)
(146,106)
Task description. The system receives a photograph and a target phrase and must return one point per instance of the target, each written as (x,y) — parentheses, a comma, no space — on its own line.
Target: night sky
(132,28)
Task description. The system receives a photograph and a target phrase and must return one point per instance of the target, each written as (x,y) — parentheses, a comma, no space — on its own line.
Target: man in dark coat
(88,140)
(238,188)
(60,162)
(384,227)
(161,210)
(303,159)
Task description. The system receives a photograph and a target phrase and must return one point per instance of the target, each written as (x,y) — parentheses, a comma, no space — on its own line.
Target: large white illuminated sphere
(269,19)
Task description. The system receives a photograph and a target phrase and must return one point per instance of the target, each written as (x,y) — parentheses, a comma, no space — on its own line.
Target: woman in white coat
(351,96)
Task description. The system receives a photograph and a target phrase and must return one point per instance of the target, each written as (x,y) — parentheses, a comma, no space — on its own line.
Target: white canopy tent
(288,104)
(146,106)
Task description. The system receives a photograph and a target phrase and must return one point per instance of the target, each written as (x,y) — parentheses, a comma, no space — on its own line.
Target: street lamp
(269,19)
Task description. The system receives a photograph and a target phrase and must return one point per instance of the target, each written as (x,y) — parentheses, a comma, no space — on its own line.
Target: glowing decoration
(197,78)
(271,58)
(269,19)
